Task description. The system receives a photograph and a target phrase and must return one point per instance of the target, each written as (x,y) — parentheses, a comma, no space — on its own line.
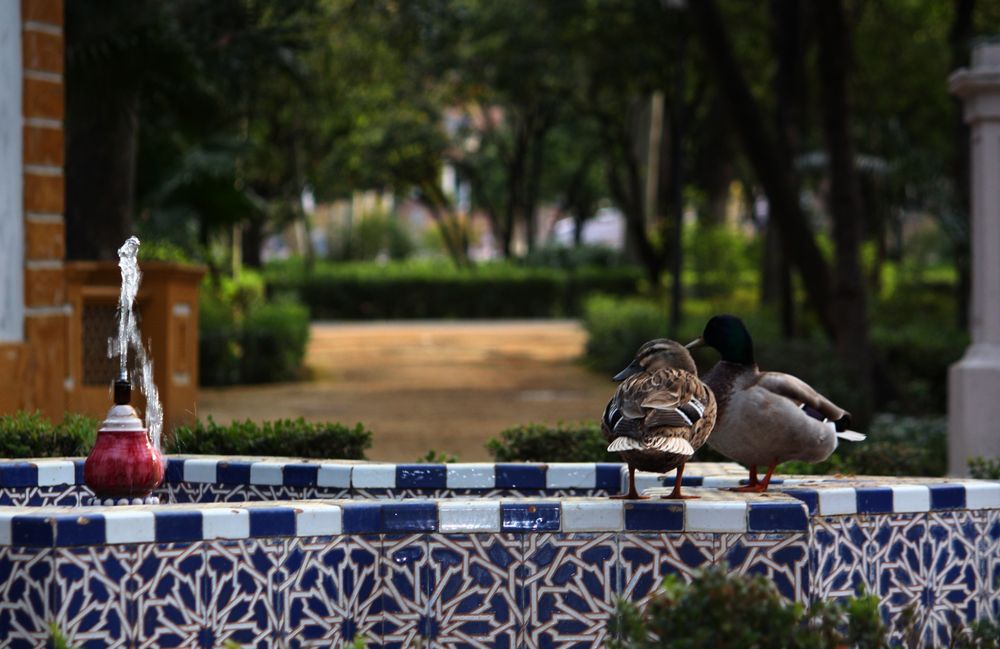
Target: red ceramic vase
(123,462)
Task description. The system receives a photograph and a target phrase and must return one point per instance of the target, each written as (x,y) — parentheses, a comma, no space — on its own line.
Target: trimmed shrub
(355,291)
(722,611)
(283,437)
(616,328)
(896,446)
(245,339)
(28,434)
(985,468)
(579,442)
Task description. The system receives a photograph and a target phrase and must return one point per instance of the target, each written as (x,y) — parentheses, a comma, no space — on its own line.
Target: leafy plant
(57,640)
(579,442)
(617,327)
(283,437)
(985,468)
(434,457)
(721,611)
(28,434)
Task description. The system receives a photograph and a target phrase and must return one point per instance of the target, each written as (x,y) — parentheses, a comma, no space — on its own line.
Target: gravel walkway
(447,386)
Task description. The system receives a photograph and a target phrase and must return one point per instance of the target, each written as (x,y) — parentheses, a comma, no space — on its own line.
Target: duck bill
(696,343)
(633,368)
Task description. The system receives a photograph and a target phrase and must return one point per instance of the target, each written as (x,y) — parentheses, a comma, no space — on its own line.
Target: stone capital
(979,85)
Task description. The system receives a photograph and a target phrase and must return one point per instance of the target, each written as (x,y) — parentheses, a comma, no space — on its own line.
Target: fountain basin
(463,555)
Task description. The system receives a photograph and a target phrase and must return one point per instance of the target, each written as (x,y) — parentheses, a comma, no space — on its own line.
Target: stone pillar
(974,381)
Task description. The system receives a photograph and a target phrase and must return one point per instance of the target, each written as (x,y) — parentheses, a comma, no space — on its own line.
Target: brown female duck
(660,414)
(766,418)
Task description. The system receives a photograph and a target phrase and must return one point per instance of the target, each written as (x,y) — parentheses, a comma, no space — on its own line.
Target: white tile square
(334,475)
(225,523)
(469,516)
(200,470)
(318,520)
(714,516)
(268,473)
(471,476)
(6,535)
(721,481)
(129,526)
(593,516)
(373,476)
(911,498)
(56,472)
(837,501)
(982,495)
(571,475)
(643,481)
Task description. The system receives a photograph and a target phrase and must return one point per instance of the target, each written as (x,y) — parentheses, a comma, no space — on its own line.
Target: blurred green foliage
(722,611)
(428,289)
(28,434)
(373,235)
(564,442)
(616,327)
(244,338)
(985,468)
(282,437)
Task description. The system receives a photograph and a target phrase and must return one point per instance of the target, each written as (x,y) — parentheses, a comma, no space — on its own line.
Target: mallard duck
(660,414)
(766,418)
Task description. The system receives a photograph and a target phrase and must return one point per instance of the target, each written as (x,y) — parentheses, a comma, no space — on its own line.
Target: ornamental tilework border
(647,558)
(26,596)
(783,559)
(95,601)
(570,584)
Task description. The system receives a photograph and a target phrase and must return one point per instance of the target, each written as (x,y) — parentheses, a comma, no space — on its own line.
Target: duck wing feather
(804,396)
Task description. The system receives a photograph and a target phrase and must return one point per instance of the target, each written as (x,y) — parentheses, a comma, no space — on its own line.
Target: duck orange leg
(632,493)
(755,485)
(676,493)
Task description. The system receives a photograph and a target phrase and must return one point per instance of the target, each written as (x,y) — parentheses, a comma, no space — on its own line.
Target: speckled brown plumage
(661,413)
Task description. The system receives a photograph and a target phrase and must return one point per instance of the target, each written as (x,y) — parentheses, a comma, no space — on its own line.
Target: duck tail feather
(625,444)
(852,436)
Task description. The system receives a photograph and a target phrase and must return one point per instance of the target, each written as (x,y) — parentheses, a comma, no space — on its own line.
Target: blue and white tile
(474,598)
(570,586)
(950,573)
(241,594)
(333,591)
(839,561)
(27,576)
(170,611)
(406,588)
(647,558)
(783,559)
(94,595)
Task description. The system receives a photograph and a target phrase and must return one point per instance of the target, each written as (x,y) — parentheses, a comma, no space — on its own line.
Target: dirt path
(430,385)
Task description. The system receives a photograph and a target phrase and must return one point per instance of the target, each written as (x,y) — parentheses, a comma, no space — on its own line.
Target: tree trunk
(101,139)
(253,240)
(767,160)
(849,299)
(962,30)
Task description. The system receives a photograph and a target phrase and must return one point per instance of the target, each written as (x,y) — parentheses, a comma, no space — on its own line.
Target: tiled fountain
(291,553)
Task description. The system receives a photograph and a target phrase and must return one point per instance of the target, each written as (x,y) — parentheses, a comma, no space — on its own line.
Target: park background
(577,177)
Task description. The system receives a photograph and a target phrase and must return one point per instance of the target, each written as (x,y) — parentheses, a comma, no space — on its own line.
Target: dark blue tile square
(777,517)
(272,521)
(686,481)
(362,518)
(78,471)
(409,517)
(520,476)
(299,475)
(874,500)
(947,496)
(608,477)
(32,531)
(80,530)
(528,517)
(18,474)
(175,470)
(177,526)
(421,476)
(654,516)
(233,473)
(809,496)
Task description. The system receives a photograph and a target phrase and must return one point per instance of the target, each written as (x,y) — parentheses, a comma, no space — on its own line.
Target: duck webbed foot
(632,494)
(676,493)
(755,485)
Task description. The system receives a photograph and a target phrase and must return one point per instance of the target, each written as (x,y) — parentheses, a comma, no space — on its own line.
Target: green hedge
(245,339)
(616,328)
(579,442)
(28,434)
(283,437)
(405,290)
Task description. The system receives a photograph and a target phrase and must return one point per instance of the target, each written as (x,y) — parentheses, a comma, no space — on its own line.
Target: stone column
(974,381)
